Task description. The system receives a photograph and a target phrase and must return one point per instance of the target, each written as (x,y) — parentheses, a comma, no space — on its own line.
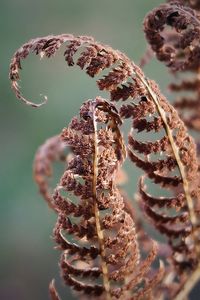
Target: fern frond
(150,111)
(52,150)
(168,224)
(173,32)
(104,245)
(177,47)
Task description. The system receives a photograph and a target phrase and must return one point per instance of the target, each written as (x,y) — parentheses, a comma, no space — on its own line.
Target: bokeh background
(27,259)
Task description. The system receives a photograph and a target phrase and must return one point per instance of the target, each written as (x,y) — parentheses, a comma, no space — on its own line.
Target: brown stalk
(100,234)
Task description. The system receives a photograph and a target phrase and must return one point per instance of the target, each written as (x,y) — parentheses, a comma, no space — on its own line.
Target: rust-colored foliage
(102,243)
(173,31)
(105,238)
(52,150)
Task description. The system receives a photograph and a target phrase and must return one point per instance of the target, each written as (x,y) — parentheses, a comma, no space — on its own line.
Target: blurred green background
(27,260)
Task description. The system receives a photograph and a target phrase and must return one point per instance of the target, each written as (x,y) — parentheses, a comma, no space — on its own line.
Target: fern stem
(100,234)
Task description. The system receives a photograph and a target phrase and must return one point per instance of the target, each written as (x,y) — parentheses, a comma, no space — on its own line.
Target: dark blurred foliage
(28,261)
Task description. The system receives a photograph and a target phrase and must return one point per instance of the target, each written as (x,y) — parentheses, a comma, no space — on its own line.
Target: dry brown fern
(178,172)
(106,243)
(173,31)
(52,150)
